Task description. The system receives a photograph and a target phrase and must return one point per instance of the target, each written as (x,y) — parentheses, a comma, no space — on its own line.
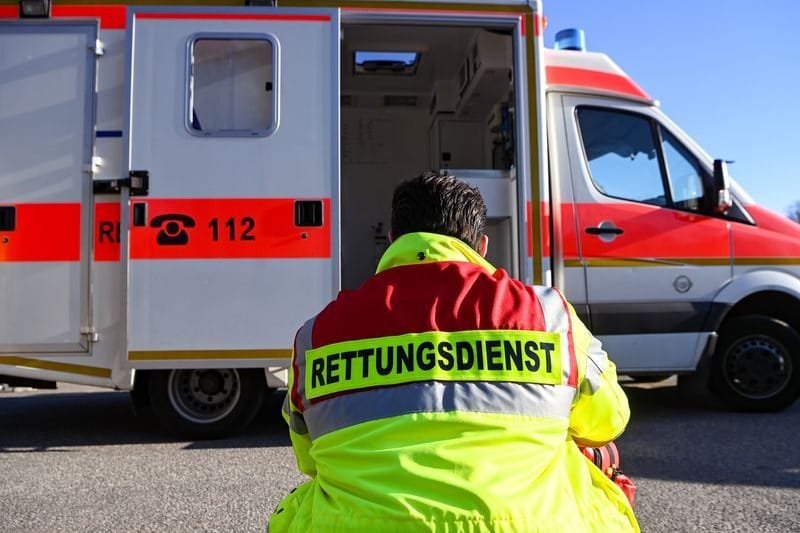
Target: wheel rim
(757,367)
(204,396)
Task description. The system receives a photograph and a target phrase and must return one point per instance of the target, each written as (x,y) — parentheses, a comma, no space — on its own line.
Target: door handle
(606,231)
(8,218)
(593,230)
(308,213)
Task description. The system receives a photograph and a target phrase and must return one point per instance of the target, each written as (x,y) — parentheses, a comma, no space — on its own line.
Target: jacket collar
(416,248)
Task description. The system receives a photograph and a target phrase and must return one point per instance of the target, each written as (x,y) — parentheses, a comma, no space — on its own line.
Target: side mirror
(721,201)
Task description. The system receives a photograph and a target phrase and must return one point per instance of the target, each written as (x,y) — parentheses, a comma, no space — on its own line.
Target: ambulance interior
(415,98)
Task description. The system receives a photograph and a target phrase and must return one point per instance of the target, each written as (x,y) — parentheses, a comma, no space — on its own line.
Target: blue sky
(727,71)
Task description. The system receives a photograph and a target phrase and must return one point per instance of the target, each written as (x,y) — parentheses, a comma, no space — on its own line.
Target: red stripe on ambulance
(539,24)
(111,17)
(43,232)
(214,229)
(106,231)
(234,16)
(228,229)
(593,79)
(544,224)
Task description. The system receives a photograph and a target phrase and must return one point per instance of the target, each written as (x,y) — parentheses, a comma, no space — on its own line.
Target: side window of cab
(632,157)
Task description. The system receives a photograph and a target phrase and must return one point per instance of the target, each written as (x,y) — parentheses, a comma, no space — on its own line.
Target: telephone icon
(173,228)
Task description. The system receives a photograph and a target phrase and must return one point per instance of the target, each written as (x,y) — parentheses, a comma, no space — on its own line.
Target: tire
(210,403)
(756,365)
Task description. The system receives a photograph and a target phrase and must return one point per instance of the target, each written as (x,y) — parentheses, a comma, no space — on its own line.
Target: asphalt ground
(78,460)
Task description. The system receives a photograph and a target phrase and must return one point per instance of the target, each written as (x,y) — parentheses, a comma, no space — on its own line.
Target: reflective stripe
(557,319)
(572,380)
(484,355)
(302,342)
(522,399)
(595,365)
(296,421)
(54,366)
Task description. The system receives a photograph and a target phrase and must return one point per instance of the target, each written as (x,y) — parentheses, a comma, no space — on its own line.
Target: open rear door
(234,122)
(47,73)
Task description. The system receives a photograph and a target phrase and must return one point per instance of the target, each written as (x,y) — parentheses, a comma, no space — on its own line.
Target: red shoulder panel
(445,296)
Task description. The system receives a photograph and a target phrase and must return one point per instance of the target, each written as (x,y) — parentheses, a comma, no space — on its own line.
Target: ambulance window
(621,154)
(685,176)
(377,62)
(231,86)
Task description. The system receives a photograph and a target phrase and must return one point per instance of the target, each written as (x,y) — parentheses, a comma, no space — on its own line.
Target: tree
(793,211)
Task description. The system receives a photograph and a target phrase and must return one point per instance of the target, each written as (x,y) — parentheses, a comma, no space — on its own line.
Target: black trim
(308,213)
(8,218)
(594,230)
(100,134)
(655,317)
(582,310)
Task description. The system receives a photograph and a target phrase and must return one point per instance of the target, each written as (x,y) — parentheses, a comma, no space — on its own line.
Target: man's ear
(483,246)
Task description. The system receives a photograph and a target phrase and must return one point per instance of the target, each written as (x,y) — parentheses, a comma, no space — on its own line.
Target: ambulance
(182,186)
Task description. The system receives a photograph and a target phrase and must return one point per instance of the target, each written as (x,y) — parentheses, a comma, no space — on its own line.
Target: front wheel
(756,365)
(206,403)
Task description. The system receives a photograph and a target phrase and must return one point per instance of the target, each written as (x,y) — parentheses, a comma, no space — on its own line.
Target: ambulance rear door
(47,72)
(233,139)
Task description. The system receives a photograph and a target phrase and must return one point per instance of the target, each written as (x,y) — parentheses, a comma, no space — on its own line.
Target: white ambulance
(182,186)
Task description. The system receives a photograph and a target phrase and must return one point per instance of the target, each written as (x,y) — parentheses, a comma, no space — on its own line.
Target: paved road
(77,460)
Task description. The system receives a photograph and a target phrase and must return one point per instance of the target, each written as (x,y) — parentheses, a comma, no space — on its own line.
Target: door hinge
(98,48)
(138,181)
(91,333)
(93,167)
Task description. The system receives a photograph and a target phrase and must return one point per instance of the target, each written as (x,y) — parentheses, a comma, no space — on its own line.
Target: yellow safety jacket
(444,396)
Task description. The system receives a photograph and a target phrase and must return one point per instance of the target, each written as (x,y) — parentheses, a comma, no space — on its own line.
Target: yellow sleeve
(600,411)
(298,431)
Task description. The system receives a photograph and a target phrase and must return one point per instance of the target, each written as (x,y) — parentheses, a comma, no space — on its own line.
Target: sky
(726,71)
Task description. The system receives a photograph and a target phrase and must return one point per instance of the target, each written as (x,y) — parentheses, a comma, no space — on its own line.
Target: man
(444,396)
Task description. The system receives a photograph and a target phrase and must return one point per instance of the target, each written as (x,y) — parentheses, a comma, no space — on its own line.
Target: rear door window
(231,85)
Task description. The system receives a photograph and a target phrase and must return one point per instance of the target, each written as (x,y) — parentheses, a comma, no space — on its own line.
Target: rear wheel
(206,403)
(756,365)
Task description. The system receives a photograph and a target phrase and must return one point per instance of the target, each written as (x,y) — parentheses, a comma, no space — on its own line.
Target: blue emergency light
(571,39)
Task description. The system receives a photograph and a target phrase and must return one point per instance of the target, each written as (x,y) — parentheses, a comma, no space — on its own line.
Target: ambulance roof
(589,71)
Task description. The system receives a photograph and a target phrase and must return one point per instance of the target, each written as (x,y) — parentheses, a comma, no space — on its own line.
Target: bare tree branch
(793,211)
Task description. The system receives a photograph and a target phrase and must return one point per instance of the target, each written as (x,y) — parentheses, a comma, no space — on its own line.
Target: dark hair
(437,203)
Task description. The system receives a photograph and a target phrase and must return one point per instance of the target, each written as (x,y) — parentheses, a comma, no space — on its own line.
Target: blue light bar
(571,39)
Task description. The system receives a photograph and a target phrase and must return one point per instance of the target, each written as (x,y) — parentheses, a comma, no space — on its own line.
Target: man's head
(440,204)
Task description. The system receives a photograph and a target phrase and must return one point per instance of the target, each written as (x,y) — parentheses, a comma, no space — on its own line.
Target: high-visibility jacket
(445,396)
